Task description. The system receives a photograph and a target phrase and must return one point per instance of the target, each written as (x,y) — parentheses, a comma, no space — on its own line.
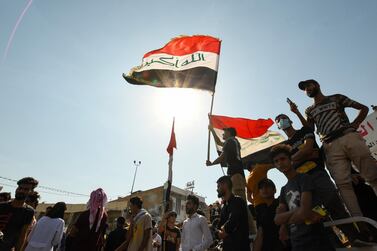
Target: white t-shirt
(46,233)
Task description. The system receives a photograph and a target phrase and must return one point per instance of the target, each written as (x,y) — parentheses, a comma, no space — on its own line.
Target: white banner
(368,129)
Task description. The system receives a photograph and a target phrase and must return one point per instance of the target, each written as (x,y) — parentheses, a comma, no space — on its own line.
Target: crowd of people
(291,221)
(294,221)
(136,232)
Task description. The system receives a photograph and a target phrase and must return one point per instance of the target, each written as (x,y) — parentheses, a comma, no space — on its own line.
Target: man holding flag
(232,157)
(244,140)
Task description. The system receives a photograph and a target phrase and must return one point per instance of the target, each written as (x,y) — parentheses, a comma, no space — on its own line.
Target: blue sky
(69,119)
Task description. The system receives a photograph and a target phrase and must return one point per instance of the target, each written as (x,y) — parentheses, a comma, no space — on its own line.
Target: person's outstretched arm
(296,111)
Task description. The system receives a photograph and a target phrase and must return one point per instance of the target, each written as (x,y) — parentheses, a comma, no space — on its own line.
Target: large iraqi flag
(184,62)
(254,137)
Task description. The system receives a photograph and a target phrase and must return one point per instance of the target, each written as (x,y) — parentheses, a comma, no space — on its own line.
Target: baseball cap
(304,83)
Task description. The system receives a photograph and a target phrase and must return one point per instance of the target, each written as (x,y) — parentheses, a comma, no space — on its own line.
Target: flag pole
(209,133)
(166,196)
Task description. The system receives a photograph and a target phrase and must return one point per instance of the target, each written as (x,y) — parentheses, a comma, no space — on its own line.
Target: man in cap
(342,144)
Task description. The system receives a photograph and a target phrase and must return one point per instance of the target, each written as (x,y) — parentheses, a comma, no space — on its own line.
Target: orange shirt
(258,173)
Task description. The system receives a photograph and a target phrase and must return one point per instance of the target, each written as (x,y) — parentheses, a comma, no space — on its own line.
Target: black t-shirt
(235,221)
(270,230)
(115,239)
(297,141)
(232,151)
(12,220)
(303,236)
(170,238)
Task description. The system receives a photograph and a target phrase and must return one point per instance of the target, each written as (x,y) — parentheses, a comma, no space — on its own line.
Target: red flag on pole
(172,142)
(168,183)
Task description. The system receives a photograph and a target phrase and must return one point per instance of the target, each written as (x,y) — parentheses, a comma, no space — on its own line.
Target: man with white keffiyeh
(88,231)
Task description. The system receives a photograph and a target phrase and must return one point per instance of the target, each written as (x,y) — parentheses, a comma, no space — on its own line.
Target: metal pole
(137,164)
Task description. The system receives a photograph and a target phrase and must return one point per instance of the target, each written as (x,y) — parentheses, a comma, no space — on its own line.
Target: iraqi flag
(254,137)
(184,62)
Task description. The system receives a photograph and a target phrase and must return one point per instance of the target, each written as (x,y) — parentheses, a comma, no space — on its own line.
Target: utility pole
(137,164)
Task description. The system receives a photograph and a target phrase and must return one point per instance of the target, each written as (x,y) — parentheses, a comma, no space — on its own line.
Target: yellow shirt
(258,173)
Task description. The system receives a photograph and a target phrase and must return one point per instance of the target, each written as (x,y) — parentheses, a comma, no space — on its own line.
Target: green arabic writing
(174,61)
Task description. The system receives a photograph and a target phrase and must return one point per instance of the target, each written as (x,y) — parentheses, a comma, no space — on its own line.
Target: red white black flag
(253,135)
(184,62)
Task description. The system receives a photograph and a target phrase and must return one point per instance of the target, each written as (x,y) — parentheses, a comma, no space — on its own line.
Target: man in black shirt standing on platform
(231,155)
(233,225)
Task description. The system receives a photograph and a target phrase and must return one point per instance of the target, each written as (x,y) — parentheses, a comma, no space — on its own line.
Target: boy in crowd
(297,199)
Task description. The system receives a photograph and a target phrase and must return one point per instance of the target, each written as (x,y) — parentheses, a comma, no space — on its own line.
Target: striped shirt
(329,115)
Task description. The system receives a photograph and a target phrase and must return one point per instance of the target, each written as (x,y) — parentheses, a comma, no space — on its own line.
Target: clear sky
(69,119)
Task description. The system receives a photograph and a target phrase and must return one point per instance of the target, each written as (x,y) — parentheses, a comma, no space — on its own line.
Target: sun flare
(186,105)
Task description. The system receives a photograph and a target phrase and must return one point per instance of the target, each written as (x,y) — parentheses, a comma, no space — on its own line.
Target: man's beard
(313,93)
(20,196)
(220,194)
(189,210)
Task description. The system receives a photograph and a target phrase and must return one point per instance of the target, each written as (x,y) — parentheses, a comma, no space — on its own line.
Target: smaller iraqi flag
(184,62)
(253,135)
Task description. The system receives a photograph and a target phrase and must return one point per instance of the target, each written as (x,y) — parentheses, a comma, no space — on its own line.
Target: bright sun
(186,105)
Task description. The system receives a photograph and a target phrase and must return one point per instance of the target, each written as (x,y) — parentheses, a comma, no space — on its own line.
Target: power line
(44,192)
(49,188)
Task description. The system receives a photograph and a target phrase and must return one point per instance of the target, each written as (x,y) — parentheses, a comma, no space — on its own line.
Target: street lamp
(137,164)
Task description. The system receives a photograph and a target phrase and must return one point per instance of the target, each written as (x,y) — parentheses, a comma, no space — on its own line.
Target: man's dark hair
(33,197)
(200,212)
(57,211)
(28,181)
(194,199)
(171,214)
(231,130)
(226,180)
(266,183)
(281,148)
(121,220)
(5,196)
(137,201)
(281,115)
